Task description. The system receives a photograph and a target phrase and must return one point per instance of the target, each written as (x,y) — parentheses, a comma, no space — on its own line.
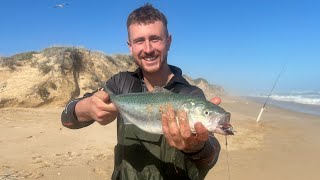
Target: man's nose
(148,47)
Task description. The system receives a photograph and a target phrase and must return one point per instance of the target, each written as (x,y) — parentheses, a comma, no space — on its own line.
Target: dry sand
(34,145)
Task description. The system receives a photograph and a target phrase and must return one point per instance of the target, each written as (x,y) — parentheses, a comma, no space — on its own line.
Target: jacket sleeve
(207,157)
(69,118)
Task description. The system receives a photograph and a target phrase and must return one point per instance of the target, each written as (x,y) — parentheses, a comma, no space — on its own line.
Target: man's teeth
(150,58)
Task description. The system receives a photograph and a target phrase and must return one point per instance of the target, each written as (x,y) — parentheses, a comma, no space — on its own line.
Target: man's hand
(97,107)
(180,136)
(216,100)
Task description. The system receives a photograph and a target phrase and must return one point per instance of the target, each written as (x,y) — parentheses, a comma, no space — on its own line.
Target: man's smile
(152,58)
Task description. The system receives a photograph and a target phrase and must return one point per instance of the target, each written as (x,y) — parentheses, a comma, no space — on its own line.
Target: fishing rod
(268,97)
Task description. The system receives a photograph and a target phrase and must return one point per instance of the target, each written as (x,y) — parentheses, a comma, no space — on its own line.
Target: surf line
(268,97)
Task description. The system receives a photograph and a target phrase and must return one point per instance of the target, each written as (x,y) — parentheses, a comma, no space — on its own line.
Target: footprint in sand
(100,157)
(37,160)
(71,155)
(9,173)
(36,157)
(59,154)
(32,175)
(99,171)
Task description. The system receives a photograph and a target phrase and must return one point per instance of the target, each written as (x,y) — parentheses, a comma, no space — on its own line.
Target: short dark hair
(146,14)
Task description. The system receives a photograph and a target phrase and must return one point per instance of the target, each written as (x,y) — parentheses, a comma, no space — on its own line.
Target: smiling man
(149,43)
(178,153)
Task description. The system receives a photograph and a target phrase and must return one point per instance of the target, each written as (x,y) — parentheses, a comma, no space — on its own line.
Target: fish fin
(125,118)
(158,89)
(107,90)
(104,87)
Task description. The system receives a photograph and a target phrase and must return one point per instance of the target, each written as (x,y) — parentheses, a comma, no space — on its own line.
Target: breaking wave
(302,98)
(300,101)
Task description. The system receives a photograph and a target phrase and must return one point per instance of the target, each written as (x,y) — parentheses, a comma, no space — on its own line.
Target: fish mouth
(224,127)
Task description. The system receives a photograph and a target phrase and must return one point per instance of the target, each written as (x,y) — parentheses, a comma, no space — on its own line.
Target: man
(178,153)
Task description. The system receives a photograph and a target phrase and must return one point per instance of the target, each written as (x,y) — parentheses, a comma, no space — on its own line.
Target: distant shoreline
(292,106)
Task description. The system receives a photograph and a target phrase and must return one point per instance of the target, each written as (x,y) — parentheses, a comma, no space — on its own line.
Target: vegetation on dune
(16,60)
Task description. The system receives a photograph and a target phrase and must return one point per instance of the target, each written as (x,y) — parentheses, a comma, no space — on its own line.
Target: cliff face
(209,90)
(56,75)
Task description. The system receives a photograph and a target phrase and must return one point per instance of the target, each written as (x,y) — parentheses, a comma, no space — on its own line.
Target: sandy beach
(34,145)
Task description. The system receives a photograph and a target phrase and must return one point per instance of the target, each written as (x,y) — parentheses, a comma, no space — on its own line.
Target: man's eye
(155,40)
(139,42)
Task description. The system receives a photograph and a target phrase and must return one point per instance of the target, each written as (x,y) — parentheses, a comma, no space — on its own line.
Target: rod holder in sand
(258,119)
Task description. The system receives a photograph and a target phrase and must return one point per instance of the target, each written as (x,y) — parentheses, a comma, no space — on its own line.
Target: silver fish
(145,110)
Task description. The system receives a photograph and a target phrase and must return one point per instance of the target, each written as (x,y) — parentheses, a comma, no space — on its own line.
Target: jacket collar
(177,78)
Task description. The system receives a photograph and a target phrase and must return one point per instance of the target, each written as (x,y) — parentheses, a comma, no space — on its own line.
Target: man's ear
(129,46)
(169,39)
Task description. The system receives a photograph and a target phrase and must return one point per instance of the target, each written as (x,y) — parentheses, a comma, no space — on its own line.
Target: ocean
(303,101)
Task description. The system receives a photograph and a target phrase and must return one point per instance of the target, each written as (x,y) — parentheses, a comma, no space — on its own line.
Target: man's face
(149,45)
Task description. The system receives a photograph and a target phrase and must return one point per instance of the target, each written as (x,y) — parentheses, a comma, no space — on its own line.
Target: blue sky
(240,45)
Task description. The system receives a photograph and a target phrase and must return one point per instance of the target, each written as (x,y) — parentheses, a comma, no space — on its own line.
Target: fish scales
(145,109)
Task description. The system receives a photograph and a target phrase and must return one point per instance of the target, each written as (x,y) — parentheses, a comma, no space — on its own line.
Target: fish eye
(206,112)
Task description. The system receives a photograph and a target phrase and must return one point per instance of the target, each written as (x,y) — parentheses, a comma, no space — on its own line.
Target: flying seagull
(61,5)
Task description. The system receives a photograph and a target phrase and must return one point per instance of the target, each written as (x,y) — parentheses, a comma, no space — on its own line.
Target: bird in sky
(61,5)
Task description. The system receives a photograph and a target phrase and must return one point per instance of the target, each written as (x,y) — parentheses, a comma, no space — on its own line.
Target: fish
(145,110)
